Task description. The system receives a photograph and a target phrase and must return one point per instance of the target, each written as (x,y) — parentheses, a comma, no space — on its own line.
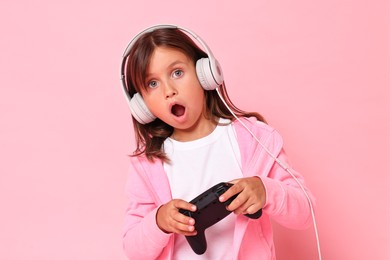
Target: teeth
(178,110)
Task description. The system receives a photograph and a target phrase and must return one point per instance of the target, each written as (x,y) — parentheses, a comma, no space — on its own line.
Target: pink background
(318,70)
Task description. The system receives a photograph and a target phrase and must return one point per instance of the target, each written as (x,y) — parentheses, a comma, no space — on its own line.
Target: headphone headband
(167,26)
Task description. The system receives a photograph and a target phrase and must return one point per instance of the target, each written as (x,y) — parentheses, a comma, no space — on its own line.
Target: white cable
(285,167)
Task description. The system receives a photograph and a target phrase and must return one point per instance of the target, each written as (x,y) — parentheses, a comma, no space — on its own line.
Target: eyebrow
(173,64)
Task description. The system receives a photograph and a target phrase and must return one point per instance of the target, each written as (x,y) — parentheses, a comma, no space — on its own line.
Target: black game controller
(209,210)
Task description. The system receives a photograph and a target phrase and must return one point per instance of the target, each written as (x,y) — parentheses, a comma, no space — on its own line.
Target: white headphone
(208,71)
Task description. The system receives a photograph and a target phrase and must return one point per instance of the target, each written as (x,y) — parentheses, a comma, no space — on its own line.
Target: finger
(239,204)
(180,224)
(233,190)
(252,209)
(194,233)
(183,225)
(181,204)
(234,181)
(183,228)
(184,219)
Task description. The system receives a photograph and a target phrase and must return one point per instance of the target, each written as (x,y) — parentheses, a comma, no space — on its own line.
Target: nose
(170,91)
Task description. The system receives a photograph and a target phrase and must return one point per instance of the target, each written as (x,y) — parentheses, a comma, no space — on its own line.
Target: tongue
(178,110)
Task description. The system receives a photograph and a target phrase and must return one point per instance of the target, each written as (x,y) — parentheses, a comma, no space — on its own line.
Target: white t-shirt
(196,166)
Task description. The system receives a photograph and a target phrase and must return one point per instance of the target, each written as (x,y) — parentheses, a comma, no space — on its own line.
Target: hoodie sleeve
(286,202)
(142,237)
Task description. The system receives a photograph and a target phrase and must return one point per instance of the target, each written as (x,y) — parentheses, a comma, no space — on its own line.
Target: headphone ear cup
(205,75)
(140,110)
(209,73)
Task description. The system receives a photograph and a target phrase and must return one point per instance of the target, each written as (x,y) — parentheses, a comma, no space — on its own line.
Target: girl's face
(174,94)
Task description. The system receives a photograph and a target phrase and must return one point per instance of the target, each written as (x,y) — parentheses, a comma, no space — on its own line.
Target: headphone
(208,71)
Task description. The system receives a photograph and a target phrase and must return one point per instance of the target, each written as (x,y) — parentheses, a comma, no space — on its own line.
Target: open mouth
(178,110)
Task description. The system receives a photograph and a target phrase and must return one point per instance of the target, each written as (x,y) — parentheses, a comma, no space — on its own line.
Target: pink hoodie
(148,188)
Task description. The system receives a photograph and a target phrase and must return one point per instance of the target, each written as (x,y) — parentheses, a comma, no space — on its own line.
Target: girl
(187,140)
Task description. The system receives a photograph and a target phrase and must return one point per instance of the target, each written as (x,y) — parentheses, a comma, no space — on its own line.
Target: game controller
(209,210)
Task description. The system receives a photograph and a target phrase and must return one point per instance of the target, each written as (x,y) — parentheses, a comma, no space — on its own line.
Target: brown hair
(150,137)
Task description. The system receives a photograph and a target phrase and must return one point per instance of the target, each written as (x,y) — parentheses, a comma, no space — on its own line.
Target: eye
(153,84)
(177,73)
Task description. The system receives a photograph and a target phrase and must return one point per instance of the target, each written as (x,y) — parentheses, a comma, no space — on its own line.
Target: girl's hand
(251,197)
(170,220)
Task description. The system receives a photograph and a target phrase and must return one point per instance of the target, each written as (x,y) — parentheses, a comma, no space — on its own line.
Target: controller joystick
(209,210)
